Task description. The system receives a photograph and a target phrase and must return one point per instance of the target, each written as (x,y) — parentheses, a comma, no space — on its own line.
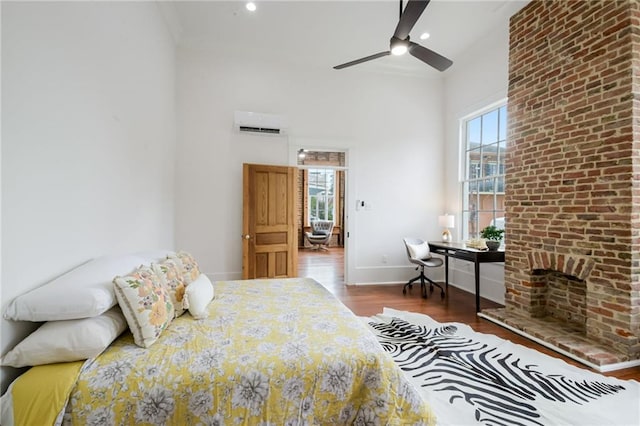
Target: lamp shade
(446,220)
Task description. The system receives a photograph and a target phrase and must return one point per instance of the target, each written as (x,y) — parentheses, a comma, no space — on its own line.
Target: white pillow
(85,291)
(419,251)
(197,296)
(66,341)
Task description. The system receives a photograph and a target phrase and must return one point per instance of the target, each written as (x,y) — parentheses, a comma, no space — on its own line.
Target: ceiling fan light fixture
(399,47)
(251,6)
(400,43)
(399,50)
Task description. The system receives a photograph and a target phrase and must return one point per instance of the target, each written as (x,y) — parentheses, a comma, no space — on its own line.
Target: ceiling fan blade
(361,60)
(429,57)
(409,17)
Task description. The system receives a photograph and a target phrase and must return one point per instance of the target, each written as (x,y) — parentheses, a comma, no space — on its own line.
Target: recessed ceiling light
(424,36)
(251,6)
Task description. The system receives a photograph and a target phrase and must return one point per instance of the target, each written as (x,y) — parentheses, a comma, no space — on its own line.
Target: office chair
(419,254)
(321,231)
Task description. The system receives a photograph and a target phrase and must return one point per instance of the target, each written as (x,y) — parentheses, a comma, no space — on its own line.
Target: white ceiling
(328,33)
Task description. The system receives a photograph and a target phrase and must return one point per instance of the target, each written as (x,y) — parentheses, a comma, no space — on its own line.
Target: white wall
(391,127)
(478,80)
(88,139)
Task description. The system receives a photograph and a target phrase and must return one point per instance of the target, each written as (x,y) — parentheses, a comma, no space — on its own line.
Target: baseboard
(377,283)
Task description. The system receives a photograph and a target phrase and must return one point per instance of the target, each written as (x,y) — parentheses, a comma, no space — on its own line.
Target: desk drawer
(464,255)
(457,254)
(443,252)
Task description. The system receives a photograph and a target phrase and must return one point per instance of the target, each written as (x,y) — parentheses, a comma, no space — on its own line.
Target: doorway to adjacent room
(322,183)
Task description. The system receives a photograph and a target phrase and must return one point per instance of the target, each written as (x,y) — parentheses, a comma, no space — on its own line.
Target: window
(321,194)
(484,144)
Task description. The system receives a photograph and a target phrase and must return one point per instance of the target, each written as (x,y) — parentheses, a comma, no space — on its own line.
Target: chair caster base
(423,288)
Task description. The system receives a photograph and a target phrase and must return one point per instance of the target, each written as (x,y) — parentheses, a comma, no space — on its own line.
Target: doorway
(321,195)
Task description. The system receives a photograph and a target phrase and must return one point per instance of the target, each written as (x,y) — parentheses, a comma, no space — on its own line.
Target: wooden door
(270,241)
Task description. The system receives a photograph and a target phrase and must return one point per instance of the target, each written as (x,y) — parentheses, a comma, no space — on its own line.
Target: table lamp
(446,221)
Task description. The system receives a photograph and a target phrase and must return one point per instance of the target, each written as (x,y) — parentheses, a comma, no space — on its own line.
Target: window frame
(488,178)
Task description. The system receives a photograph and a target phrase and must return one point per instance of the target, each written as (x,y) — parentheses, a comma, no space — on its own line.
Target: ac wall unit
(256,122)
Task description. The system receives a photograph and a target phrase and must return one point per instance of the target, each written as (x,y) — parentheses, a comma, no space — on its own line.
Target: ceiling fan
(400,43)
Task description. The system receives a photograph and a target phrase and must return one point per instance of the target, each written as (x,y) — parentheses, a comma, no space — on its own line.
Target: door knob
(247,237)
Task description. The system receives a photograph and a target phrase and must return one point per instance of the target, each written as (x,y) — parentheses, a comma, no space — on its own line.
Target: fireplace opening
(564,298)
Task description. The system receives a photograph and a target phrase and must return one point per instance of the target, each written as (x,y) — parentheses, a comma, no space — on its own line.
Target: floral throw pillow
(145,303)
(170,274)
(190,269)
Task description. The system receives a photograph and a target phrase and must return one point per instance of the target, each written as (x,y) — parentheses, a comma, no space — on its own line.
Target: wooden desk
(461,251)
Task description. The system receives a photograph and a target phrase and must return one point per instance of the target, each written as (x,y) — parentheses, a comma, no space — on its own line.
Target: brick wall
(573,162)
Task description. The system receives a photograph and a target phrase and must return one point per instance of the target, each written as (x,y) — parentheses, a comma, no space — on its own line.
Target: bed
(280,352)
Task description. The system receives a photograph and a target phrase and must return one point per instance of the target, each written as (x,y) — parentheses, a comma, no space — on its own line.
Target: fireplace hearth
(563,337)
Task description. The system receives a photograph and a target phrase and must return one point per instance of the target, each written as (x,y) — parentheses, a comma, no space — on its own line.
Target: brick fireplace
(572,269)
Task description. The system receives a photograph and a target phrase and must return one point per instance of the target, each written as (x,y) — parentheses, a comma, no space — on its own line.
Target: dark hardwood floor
(327,267)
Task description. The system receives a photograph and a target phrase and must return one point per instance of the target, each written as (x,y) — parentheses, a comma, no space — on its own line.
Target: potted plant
(492,235)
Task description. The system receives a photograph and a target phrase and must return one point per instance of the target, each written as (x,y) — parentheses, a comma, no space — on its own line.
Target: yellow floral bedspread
(272,352)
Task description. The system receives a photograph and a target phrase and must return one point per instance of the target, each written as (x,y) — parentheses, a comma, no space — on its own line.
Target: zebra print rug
(473,378)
